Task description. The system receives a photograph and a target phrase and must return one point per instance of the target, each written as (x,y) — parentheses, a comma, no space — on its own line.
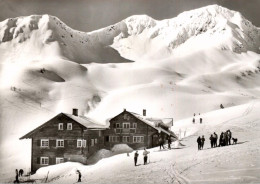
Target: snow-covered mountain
(173,68)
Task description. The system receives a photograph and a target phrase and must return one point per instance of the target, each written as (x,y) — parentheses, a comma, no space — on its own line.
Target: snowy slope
(232,164)
(173,68)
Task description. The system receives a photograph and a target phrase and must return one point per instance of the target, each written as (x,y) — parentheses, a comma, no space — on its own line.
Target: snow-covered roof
(85,121)
(82,120)
(153,122)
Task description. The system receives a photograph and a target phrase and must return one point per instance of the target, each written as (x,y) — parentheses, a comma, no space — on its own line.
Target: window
(59,160)
(134,125)
(44,160)
(126,125)
(44,143)
(92,142)
(69,126)
(125,116)
(79,143)
(126,139)
(60,126)
(59,143)
(113,138)
(96,141)
(117,125)
(138,139)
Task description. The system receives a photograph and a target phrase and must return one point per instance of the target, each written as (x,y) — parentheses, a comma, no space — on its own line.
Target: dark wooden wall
(70,152)
(142,130)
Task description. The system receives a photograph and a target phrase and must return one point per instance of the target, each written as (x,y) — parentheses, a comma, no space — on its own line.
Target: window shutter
(52,161)
(38,142)
(65,143)
(84,143)
(38,160)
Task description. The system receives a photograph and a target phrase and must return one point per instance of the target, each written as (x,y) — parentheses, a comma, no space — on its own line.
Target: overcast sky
(88,15)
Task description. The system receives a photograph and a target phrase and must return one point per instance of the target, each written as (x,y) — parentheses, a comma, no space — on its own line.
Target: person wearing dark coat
(136,157)
(200,120)
(229,137)
(16,176)
(202,141)
(79,173)
(211,140)
(161,142)
(226,138)
(221,139)
(193,120)
(199,142)
(169,143)
(21,172)
(215,136)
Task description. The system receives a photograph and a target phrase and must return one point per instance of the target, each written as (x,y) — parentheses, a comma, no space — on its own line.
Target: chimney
(75,112)
(124,110)
(144,112)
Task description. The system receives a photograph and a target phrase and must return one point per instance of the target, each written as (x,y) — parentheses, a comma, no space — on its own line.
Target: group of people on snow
(224,140)
(200,142)
(145,154)
(18,174)
(200,118)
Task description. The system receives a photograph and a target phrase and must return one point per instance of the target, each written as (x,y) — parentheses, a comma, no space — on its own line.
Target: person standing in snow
(136,157)
(145,153)
(16,176)
(229,137)
(199,142)
(169,142)
(202,141)
(215,138)
(161,141)
(200,120)
(20,172)
(193,120)
(79,173)
(211,140)
(221,139)
(226,138)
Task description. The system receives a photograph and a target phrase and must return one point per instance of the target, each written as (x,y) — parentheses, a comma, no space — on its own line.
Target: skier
(221,106)
(202,141)
(169,142)
(136,157)
(16,176)
(145,153)
(200,120)
(21,172)
(79,173)
(193,120)
(211,140)
(199,142)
